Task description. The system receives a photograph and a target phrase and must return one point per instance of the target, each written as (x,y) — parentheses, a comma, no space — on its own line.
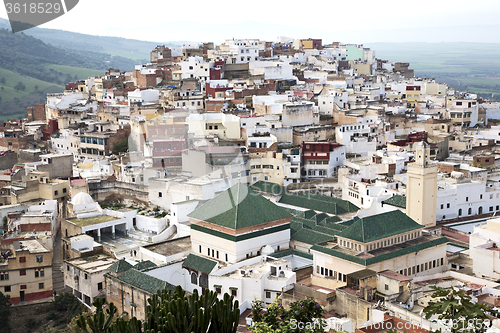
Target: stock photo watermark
(26,14)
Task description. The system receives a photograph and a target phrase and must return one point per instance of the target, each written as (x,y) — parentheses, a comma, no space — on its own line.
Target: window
(480,196)
(268,294)
(86,276)
(4,276)
(56,192)
(22,259)
(386,287)
(67,267)
(448,205)
(22,272)
(99,286)
(442,206)
(39,258)
(194,278)
(441,261)
(400,289)
(40,285)
(226,257)
(218,290)
(466,199)
(234,292)
(40,273)
(23,286)
(6,289)
(199,248)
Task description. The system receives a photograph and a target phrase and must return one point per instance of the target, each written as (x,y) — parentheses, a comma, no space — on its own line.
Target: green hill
(37,68)
(115,46)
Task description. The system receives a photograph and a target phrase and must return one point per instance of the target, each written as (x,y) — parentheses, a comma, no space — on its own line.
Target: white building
(143,96)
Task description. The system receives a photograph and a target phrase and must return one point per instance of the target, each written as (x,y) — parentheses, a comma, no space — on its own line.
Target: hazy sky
(149,19)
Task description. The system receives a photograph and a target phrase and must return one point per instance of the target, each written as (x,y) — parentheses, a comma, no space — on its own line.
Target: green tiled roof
(370,228)
(320,217)
(143,281)
(144,264)
(306,222)
(289,252)
(382,257)
(239,238)
(295,226)
(312,237)
(239,207)
(344,204)
(198,263)
(308,214)
(268,187)
(333,226)
(396,200)
(326,230)
(120,266)
(319,203)
(332,219)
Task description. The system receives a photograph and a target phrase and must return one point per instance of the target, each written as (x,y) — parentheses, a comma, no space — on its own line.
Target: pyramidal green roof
(199,263)
(268,187)
(370,228)
(396,200)
(120,266)
(319,203)
(143,281)
(144,264)
(239,207)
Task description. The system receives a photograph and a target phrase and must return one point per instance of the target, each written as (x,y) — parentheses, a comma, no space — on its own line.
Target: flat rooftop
(33,246)
(171,247)
(91,220)
(93,264)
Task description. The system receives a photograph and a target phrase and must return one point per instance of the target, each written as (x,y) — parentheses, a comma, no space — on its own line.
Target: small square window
(22,259)
(234,292)
(218,290)
(40,285)
(99,286)
(22,272)
(7,289)
(39,258)
(268,294)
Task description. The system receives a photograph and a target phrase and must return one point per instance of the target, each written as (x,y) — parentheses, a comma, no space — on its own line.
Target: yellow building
(412,95)
(26,271)
(387,241)
(421,187)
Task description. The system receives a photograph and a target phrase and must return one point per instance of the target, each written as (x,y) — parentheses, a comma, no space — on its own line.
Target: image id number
(33,8)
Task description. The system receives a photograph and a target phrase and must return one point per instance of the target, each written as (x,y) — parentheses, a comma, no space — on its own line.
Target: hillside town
(284,170)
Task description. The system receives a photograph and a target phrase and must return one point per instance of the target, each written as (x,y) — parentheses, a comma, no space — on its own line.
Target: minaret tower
(421,187)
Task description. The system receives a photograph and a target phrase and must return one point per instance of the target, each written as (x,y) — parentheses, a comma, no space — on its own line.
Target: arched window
(460,212)
(194,278)
(480,210)
(470,211)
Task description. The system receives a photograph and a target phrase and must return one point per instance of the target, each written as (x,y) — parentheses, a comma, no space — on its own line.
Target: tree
(303,316)
(170,311)
(36,87)
(99,322)
(457,310)
(20,86)
(2,80)
(5,313)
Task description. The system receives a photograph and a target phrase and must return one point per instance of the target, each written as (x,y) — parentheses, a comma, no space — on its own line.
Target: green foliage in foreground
(170,312)
(459,312)
(304,316)
(5,313)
